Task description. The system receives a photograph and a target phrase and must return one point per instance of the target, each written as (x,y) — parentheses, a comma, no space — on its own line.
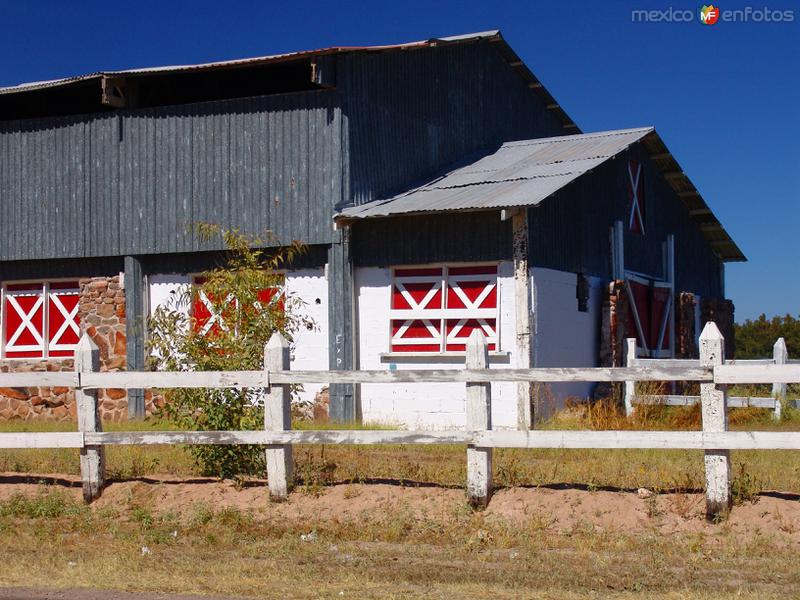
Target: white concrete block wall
(564,336)
(162,288)
(424,406)
(310,347)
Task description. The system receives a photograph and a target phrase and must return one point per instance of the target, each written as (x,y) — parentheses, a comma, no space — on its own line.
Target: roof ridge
(572,137)
(246,60)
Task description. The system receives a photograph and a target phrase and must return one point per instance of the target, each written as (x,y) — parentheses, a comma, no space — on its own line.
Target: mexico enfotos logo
(711,15)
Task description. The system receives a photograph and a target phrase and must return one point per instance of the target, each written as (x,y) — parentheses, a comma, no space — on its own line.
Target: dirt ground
(558,508)
(82,594)
(149,537)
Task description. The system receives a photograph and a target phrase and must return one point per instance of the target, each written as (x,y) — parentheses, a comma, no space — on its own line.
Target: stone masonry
(102,317)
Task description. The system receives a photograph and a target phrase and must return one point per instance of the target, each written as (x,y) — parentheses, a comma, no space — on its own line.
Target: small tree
(243,302)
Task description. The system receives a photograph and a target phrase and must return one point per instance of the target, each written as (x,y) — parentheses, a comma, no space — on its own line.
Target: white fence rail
(710,371)
(765,370)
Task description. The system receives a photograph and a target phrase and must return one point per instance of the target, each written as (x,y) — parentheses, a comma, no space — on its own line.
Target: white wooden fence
(711,372)
(775,402)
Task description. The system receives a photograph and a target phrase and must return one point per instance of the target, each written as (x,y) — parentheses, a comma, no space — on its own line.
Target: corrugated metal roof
(517,174)
(493,36)
(239,62)
(524,173)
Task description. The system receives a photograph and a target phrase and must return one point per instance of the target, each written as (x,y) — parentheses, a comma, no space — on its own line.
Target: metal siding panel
(424,239)
(415,112)
(98,186)
(199,172)
(50,269)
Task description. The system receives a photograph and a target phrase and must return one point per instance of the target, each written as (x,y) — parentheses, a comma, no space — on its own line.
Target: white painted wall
(424,406)
(162,289)
(310,347)
(564,336)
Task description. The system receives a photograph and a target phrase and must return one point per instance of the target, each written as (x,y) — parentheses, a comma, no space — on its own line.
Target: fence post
(278,417)
(781,356)
(479,418)
(714,403)
(630,386)
(93,458)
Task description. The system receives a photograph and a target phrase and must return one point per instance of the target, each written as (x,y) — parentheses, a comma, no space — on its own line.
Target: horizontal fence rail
(724,374)
(778,370)
(258,379)
(543,439)
(733,401)
(712,372)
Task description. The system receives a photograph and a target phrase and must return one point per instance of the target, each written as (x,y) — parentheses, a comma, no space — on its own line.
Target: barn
(438,185)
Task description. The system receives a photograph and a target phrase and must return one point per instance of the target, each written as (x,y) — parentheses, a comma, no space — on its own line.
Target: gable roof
(493,36)
(526,172)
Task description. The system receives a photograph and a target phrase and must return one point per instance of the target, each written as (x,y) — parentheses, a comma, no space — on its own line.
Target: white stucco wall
(310,347)
(564,336)
(424,406)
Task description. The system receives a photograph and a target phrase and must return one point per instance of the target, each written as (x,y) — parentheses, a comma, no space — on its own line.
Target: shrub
(247,303)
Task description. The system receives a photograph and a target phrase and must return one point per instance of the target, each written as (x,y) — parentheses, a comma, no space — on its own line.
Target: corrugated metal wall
(133,182)
(697,268)
(414,112)
(452,237)
(570,230)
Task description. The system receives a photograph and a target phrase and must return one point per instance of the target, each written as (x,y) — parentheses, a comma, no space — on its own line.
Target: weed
(316,473)
(653,510)
(47,504)
(351,492)
(745,486)
(143,516)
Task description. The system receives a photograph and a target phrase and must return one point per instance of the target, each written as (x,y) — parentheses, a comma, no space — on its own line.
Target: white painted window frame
(45,295)
(443,313)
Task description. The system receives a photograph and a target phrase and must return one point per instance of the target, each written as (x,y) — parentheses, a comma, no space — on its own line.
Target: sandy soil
(774,513)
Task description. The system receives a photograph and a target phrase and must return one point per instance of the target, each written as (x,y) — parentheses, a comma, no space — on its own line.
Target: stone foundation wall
(721,312)
(685,334)
(614,332)
(613,325)
(102,317)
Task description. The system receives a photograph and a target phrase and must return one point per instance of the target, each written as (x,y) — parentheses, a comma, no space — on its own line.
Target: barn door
(24,321)
(649,315)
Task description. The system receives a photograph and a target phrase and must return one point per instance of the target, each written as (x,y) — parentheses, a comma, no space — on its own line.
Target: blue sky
(725,98)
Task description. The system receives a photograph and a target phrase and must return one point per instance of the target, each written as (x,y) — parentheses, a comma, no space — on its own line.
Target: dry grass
(51,540)
(318,466)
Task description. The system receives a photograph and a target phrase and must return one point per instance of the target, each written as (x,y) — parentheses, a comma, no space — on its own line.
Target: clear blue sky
(725,98)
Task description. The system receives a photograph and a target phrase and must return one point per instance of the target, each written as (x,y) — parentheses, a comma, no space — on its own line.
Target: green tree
(247,302)
(755,338)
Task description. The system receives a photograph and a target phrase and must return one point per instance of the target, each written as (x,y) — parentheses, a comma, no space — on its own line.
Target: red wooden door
(649,315)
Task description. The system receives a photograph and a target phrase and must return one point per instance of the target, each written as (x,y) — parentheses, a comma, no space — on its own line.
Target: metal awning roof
(524,173)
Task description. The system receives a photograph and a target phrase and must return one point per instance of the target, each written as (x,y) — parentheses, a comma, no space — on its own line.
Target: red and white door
(41,320)
(211,316)
(436,309)
(471,305)
(650,315)
(416,310)
(24,321)
(636,200)
(63,324)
